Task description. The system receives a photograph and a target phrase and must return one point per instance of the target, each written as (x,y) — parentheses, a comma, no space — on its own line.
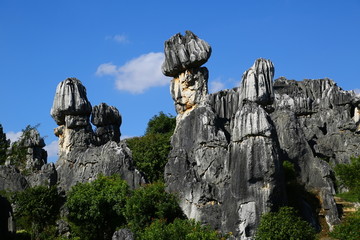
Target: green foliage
(151,202)
(161,123)
(284,225)
(4,144)
(349,176)
(96,208)
(37,209)
(150,152)
(178,230)
(349,229)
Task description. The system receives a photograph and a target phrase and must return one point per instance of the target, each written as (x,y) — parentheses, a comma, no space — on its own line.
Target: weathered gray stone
(11,179)
(7,221)
(46,176)
(256,83)
(70,99)
(123,234)
(184,52)
(225,163)
(79,166)
(107,120)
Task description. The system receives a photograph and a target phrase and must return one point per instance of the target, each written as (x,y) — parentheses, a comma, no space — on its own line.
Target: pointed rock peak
(257,83)
(70,99)
(184,52)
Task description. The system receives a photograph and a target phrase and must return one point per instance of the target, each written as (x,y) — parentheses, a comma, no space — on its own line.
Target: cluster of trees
(96,209)
(150,152)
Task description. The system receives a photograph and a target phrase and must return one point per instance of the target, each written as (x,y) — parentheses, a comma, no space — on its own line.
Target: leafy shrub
(178,230)
(37,209)
(349,176)
(150,152)
(161,124)
(96,208)
(151,202)
(349,229)
(284,225)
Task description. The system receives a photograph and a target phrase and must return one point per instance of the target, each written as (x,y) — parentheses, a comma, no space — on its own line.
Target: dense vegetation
(36,210)
(349,177)
(150,152)
(284,225)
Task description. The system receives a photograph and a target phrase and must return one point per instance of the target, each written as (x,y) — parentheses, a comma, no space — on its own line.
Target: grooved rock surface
(184,52)
(227,151)
(85,154)
(225,161)
(107,120)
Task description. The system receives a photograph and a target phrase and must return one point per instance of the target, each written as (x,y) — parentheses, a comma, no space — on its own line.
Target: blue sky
(115,48)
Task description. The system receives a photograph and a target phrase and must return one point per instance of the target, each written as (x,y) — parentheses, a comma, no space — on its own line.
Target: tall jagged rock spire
(184,56)
(224,162)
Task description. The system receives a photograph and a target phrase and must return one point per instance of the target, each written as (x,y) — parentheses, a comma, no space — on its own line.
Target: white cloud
(13,136)
(216,86)
(137,75)
(52,149)
(119,38)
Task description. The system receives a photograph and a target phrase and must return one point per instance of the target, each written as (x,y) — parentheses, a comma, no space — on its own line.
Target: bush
(284,225)
(96,208)
(151,202)
(178,230)
(349,229)
(36,209)
(349,176)
(150,152)
(161,124)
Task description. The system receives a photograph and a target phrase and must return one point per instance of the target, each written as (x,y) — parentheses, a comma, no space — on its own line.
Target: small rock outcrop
(123,234)
(228,147)
(107,120)
(85,154)
(7,221)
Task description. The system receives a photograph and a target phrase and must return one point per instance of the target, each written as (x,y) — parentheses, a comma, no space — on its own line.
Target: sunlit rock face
(83,153)
(228,147)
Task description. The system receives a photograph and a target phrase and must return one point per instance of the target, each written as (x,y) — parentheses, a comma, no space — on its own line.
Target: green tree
(151,202)
(349,229)
(36,209)
(348,176)
(161,123)
(284,225)
(150,152)
(4,145)
(180,229)
(96,208)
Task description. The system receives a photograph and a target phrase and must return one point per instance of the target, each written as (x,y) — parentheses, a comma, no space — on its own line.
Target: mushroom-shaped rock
(256,84)
(70,99)
(107,120)
(184,52)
